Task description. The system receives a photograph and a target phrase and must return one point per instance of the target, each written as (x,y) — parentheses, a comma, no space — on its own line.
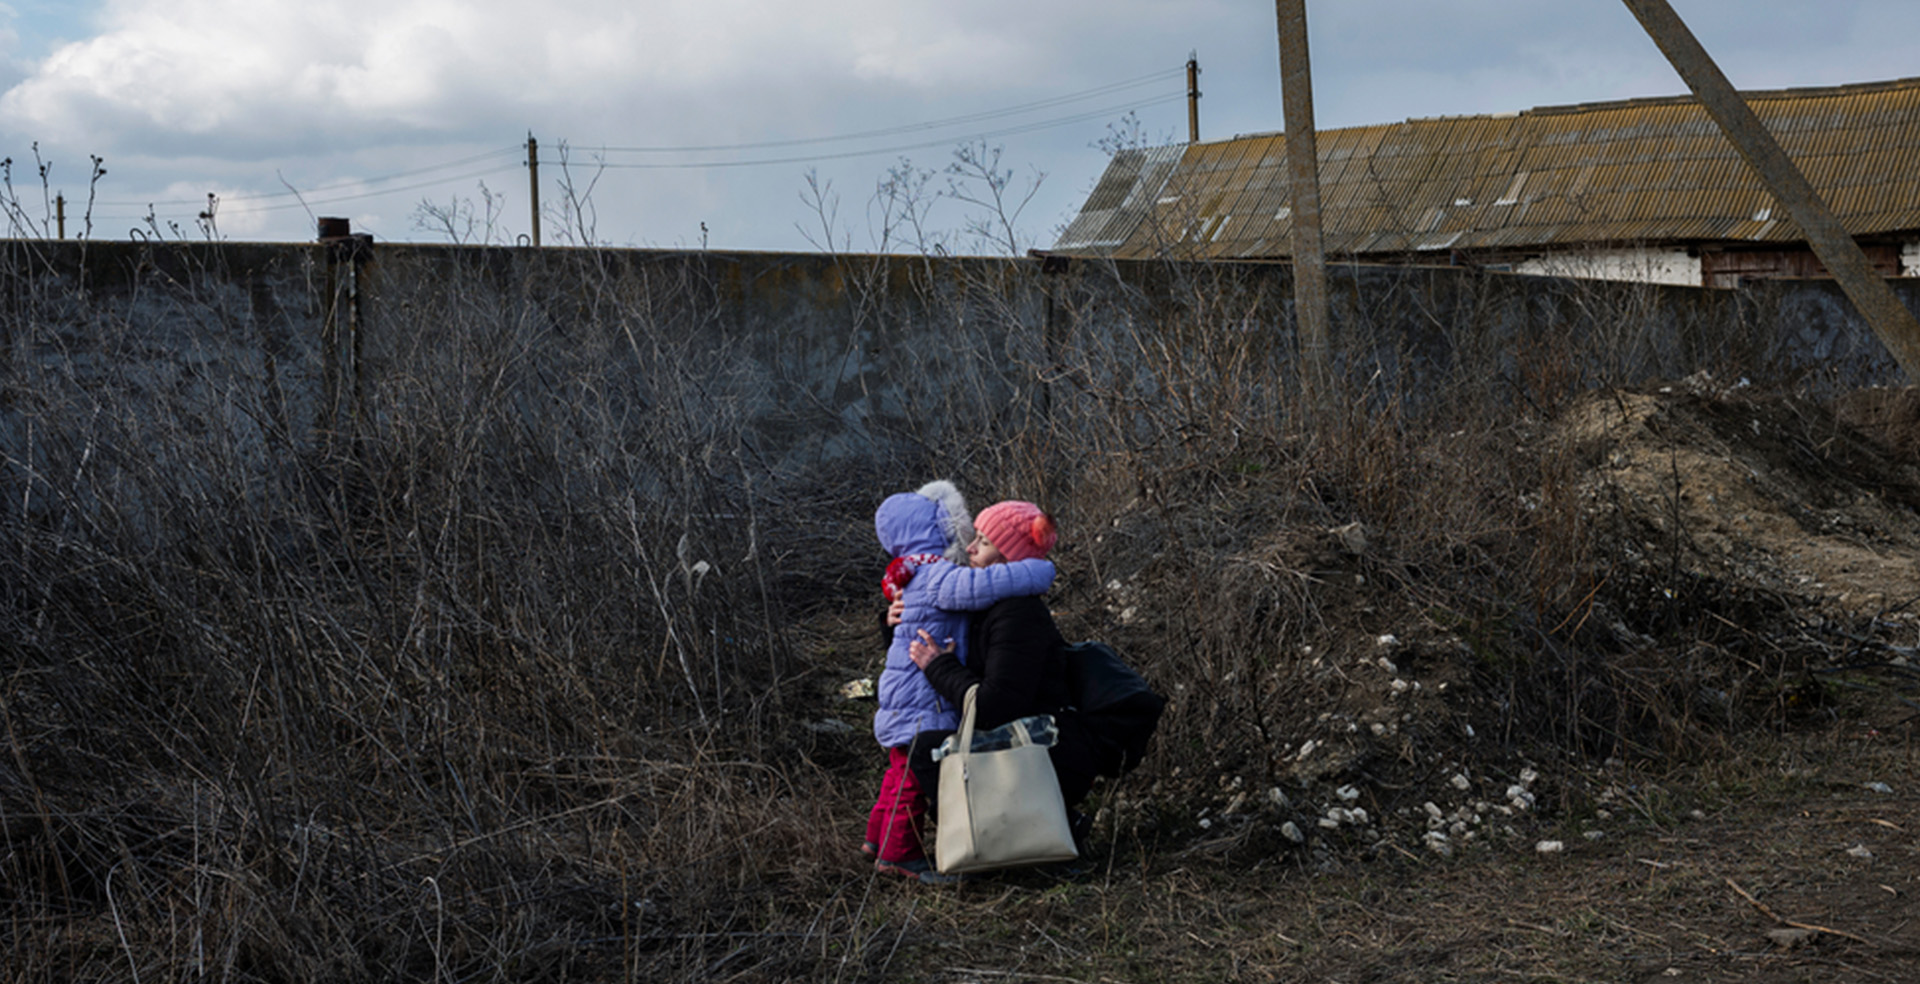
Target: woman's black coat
(1020,667)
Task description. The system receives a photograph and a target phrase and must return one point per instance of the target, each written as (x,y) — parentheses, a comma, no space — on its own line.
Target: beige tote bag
(999,809)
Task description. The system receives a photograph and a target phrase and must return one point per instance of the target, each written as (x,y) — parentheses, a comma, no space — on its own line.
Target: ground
(1782,847)
(1812,878)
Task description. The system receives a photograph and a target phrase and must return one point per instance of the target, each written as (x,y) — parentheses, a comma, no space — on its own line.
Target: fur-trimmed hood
(954,518)
(932,520)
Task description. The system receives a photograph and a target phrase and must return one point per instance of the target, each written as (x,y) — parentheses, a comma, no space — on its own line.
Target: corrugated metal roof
(1642,170)
(1123,199)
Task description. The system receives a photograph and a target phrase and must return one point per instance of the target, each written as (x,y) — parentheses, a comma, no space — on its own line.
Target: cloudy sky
(679,113)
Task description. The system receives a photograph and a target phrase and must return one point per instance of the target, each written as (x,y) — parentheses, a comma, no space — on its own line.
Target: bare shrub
(517,670)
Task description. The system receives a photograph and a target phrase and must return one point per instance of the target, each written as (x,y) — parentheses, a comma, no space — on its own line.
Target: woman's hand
(922,650)
(896,611)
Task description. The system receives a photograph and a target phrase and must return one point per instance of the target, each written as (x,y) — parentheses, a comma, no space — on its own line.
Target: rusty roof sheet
(1638,171)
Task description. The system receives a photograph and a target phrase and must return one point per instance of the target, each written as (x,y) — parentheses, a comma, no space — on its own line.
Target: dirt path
(1791,867)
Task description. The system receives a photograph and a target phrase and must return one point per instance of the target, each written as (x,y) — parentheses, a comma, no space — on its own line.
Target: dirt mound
(1780,494)
(1717,556)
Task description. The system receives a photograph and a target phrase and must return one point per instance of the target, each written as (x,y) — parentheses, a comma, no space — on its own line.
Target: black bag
(1117,706)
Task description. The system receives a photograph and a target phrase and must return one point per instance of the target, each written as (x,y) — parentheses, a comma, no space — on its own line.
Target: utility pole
(60,214)
(533,182)
(1303,169)
(1889,319)
(1193,97)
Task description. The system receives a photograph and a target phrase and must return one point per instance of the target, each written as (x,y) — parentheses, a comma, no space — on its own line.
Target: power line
(338,192)
(395,176)
(841,155)
(912,127)
(873,151)
(307,200)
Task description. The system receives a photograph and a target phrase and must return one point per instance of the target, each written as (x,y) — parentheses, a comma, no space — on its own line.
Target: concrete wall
(793,363)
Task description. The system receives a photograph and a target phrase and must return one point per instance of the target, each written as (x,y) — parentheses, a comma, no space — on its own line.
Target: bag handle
(966,722)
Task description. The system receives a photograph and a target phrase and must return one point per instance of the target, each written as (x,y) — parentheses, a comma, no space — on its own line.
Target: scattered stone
(1594,835)
(1696,814)
(1786,938)
(1461,782)
(1387,641)
(1860,851)
(1879,787)
(1550,847)
(1433,810)
(1278,798)
(1352,537)
(1292,833)
(1347,794)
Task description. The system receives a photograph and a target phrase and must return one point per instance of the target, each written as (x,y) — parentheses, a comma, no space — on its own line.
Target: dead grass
(528,672)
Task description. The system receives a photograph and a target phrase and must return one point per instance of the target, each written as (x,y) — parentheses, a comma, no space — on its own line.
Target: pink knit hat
(1019,530)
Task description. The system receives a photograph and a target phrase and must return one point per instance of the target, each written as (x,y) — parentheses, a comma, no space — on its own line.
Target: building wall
(1651,266)
(1732,267)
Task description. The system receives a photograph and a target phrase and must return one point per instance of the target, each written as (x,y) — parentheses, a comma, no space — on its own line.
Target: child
(919,529)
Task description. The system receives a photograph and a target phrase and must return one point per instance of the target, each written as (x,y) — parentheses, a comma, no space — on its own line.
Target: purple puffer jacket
(937,600)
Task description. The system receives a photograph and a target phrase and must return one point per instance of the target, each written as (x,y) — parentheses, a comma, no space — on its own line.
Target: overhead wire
(306,200)
(872,151)
(347,191)
(914,127)
(397,175)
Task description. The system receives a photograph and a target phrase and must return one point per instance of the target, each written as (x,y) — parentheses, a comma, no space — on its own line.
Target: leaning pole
(1889,319)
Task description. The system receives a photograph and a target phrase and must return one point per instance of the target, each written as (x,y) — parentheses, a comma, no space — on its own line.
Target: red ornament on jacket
(894,581)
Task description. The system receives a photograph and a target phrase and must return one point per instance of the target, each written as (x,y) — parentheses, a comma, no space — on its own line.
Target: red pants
(898,815)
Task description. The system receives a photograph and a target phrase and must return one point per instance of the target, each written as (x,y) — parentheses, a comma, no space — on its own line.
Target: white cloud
(232,94)
(254,72)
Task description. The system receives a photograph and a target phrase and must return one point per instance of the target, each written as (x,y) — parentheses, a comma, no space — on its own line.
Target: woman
(1016,660)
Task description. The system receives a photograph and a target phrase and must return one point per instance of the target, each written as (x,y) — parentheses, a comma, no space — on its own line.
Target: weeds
(516,670)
